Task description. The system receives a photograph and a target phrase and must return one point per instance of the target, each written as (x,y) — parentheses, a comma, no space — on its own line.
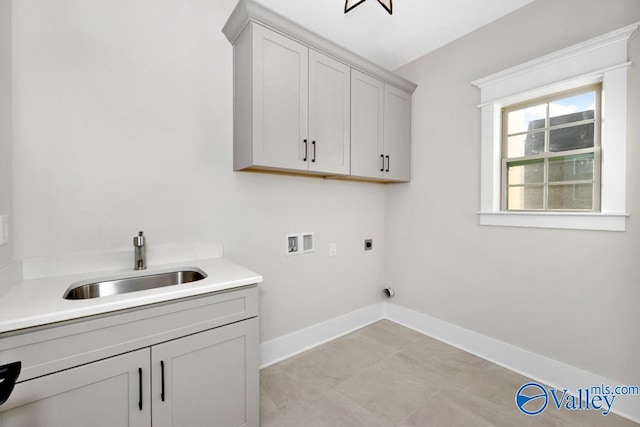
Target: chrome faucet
(140,253)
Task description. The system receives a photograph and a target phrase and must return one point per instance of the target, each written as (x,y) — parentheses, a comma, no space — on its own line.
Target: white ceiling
(415,28)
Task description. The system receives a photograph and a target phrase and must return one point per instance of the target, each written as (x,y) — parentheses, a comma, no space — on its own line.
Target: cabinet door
(329,114)
(367,106)
(100,394)
(280,100)
(397,133)
(208,379)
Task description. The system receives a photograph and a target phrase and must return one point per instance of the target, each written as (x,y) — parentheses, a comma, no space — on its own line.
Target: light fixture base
(350,4)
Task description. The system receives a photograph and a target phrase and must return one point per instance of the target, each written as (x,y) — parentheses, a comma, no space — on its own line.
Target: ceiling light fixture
(350,4)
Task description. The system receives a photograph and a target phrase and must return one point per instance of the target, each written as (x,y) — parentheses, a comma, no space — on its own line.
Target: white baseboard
(296,342)
(540,368)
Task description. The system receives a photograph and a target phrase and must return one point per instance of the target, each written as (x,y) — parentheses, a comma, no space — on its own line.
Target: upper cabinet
(277,111)
(297,109)
(397,133)
(305,105)
(329,114)
(367,115)
(380,129)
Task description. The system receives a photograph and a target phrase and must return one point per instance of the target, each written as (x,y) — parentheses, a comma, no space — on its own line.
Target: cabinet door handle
(382,159)
(8,374)
(313,144)
(140,385)
(305,150)
(388,162)
(162,379)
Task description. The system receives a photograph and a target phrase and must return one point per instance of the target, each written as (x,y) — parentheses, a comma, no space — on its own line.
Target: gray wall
(123,122)
(5,123)
(570,295)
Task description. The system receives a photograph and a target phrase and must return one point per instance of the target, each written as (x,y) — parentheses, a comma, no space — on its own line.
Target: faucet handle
(138,240)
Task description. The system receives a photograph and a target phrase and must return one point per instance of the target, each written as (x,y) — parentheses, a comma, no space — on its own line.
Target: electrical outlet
(332,249)
(4,230)
(368,244)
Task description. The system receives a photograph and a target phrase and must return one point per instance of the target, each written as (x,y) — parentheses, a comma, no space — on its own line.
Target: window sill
(563,220)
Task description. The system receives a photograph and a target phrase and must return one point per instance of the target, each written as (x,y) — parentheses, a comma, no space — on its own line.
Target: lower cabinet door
(208,379)
(110,393)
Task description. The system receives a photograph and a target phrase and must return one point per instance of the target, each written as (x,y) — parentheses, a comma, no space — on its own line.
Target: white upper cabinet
(380,130)
(329,118)
(299,107)
(397,133)
(367,114)
(304,105)
(279,100)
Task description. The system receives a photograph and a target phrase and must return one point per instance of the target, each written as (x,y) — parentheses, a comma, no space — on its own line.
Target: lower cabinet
(110,393)
(206,379)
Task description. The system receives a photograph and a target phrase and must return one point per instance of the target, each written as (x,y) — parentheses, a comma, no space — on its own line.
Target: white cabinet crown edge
(249,11)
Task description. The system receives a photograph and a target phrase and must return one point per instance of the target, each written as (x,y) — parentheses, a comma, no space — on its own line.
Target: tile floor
(388,375)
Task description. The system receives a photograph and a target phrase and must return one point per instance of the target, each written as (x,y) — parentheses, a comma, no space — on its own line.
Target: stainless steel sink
(132,282)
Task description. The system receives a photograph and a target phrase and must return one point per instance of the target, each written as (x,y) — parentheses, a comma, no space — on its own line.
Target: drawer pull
(140,384)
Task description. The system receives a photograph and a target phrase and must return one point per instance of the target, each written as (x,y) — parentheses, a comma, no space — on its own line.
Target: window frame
(604,60)
(547,155)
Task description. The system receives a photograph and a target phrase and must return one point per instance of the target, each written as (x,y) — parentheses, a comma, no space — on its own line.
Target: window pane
(572,109)
(571,138)
(527,119)
(521,198)
(572,196)
(525,145)
(571,168)
(525,173)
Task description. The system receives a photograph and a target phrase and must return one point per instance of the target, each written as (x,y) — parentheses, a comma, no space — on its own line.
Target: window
(548,159)
(551,153)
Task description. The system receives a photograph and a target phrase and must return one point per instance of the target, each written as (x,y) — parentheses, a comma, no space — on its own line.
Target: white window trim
(602,59)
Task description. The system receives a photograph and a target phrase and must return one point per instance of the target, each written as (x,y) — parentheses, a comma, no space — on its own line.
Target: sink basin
(132,282)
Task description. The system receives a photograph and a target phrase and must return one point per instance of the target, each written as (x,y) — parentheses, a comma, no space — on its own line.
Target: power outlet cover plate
(332,249)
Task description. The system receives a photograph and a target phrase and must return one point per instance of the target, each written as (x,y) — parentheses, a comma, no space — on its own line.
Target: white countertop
(38,302)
